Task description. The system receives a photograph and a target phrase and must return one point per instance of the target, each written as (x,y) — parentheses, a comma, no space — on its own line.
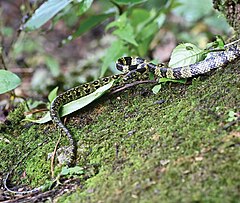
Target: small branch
(120,10)
(54,154)
(3,61)
(131,85)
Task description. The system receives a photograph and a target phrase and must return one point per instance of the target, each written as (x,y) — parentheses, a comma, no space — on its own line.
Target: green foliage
(127,2)
(52,94)
(8,81)
(77,170)
(135,24)
(232,116)
(156,88)
(88,24)
(53,66)
(134,28)
(76,104)
(84,5)
(115,51)
(45,12)
(186,54)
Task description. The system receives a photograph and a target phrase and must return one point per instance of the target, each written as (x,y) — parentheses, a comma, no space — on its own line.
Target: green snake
(133,68)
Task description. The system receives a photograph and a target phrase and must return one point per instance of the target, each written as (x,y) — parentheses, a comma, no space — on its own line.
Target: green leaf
(147,28)
(116,50)
(84,6)
(76,170)
(156,88)
(76,104)
(186,54)
(232,116)
(64,171)
(124,29)
(164,80)
(45,12)
(8,81)
(220,42)
(139,17)
(119,23)
(126,33)
(53,65)
(52,94)
(151,76)
(125,2)
(217,44)
(88,24)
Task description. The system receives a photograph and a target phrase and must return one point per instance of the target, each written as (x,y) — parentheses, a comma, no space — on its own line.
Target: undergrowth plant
(134,23)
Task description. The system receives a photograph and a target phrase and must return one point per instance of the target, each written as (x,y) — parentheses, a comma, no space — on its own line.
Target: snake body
(132,65)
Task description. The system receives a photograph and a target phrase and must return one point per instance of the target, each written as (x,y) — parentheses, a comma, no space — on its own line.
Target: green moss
(17,115)
(171,152)
(181,150)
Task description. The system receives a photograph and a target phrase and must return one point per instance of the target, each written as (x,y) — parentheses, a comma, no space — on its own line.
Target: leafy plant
(74,105)
(186,54)
(8,81)
(134,26)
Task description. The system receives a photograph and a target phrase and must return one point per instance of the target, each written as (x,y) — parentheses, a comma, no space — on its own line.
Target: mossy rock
(181,145)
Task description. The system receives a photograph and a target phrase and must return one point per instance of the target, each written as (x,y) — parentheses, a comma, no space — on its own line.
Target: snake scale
(132,65)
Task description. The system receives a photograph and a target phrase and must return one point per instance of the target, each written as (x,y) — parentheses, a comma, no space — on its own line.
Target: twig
(131,85)
(2,60)
(53,155)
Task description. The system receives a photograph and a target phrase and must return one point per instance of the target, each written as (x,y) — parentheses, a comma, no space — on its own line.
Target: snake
(133,69)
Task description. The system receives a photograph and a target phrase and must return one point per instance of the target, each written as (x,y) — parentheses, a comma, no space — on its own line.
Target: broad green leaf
(125,2)
(147,29)
(53,65)
(138,18)
(76,104)
(127,34)
(64,171)
(116,50)
(156,88)
(45,12)
(119,23)
(8,81)
(186,54)
(151,76)
(52,94)
(88,24)
(163,80)
(76,170)
(217,44)
(220,42)
(84,6)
